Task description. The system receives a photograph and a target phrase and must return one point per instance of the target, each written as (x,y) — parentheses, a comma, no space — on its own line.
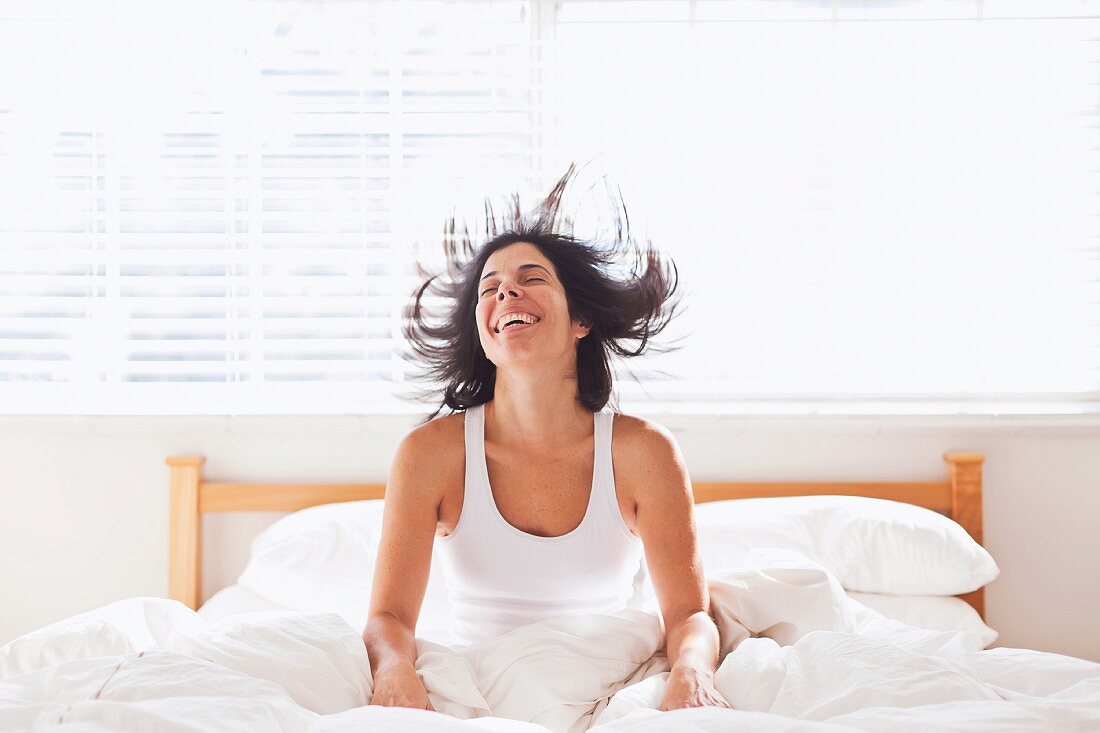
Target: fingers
(711,702)
(393,702)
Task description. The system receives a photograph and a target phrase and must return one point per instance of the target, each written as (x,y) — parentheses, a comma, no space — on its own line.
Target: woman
(518,484)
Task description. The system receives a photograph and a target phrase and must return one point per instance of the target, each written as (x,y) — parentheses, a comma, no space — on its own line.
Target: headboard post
(184,537)
(965,474)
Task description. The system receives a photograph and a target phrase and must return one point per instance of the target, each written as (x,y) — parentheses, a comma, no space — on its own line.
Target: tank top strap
(476,489)
(611,515)
(602,444)
(604,474)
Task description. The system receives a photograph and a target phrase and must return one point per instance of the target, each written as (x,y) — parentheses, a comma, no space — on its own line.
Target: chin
(518,358)
(521,354)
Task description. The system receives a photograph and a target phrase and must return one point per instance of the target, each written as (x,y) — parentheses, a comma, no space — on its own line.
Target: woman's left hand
(690,688)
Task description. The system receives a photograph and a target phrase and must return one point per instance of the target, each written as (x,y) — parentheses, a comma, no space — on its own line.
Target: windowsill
(675,416)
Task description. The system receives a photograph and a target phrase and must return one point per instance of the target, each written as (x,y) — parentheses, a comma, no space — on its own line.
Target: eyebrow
(521,268)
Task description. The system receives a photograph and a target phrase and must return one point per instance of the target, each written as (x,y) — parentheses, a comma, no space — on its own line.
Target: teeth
(525,317)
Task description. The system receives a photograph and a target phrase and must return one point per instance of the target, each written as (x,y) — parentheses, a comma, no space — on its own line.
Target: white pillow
(938,613)
(322,559)
(870,545)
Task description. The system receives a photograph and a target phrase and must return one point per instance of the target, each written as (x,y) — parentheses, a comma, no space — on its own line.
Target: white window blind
(214,207)
(875,206)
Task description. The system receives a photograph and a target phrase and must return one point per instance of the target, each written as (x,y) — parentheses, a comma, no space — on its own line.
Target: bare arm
(410,516)
(665,503)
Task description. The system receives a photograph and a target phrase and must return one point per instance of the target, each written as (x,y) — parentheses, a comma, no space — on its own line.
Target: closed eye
(530,279)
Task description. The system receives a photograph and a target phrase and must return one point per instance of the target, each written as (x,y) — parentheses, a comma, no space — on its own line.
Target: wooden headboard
(959,497)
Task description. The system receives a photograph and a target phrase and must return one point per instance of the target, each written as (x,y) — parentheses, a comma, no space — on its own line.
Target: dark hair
(623,310)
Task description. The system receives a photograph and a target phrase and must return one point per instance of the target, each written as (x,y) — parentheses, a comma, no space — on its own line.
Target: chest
(539,495)
(542,496)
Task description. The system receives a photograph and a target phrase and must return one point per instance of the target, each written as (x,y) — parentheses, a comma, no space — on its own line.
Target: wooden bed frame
(958,497)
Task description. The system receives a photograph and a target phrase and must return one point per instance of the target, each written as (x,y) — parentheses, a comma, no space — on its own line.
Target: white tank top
(499,577)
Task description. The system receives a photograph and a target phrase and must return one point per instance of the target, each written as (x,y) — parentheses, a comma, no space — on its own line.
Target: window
(875,206)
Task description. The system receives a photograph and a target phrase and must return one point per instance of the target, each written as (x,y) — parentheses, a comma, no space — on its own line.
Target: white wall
(84,508)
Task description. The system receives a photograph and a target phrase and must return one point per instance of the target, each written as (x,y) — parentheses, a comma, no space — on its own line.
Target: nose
(507,290)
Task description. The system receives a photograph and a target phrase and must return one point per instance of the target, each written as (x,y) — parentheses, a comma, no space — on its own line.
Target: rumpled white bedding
(797,655)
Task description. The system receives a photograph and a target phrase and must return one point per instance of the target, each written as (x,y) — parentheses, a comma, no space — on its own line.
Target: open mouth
(518,324)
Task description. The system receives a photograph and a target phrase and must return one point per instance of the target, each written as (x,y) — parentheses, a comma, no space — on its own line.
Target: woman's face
(518,283)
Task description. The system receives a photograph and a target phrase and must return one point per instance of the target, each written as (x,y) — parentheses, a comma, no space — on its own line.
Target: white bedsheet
(234,599)
(797,655)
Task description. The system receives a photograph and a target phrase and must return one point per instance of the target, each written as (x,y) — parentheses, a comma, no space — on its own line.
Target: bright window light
(876,207)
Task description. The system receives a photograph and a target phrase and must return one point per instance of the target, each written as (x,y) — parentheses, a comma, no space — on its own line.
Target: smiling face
(522,312)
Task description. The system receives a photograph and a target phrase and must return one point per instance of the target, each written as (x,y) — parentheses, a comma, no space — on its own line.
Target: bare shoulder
(438,438)
(430,455)
(638,436)
(439,434)
(642,451)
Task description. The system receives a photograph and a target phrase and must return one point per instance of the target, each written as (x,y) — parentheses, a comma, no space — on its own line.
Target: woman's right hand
(399,686)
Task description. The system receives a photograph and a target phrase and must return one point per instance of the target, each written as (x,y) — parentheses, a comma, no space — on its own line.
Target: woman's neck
(533,410)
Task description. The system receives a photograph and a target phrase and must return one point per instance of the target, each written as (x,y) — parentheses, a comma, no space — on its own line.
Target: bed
(958,496)
(796,572)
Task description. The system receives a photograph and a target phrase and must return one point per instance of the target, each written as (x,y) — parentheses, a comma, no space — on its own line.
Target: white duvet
(797,655)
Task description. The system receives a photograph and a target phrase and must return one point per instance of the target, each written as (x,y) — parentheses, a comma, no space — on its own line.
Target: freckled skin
(507,284)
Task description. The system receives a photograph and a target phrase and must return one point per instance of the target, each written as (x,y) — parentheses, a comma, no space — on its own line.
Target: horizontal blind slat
(858,229)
